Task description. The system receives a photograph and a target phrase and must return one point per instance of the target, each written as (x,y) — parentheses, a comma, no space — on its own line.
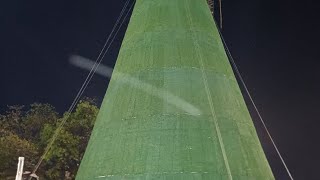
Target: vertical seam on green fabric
(205,81)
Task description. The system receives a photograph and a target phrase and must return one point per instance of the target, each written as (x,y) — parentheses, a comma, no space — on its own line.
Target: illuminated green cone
(173,109)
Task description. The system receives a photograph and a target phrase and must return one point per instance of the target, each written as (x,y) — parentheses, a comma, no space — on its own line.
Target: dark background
(274,44)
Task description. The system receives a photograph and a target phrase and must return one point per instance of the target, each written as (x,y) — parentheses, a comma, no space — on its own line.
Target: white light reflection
(105,71)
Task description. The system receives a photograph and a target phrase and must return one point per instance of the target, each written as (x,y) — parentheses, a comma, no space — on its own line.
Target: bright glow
(106,71)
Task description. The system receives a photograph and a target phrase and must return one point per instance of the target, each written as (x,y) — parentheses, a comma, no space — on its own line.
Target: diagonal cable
(254,105)
(86,82)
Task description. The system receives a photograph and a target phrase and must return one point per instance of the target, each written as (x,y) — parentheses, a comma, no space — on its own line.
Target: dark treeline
(27,130)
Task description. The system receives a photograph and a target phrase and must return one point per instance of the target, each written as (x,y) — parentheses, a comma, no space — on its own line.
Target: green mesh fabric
(173,108)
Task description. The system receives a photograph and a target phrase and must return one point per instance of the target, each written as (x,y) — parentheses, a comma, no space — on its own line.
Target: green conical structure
(173,108)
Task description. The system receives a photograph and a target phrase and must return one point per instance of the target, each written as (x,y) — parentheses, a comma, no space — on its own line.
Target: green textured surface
(173,108)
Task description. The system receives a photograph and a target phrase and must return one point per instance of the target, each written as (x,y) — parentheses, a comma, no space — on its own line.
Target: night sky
(273,43)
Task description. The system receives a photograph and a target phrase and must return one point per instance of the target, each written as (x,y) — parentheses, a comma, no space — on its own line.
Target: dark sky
(274,44)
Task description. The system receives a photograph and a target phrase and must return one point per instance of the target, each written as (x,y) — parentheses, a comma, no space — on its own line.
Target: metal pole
(20,168)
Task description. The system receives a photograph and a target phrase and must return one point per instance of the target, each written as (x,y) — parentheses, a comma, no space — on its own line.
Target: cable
(253,103)
(220,10)
(209,97)
(86,82)
(111,42)
(99,57)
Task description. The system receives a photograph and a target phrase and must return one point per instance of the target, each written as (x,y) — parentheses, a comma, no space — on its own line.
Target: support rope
(253,103)
(220,11)
(209,97)
(87,81)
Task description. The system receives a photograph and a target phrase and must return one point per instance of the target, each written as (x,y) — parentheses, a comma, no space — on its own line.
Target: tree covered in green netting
(26,131)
